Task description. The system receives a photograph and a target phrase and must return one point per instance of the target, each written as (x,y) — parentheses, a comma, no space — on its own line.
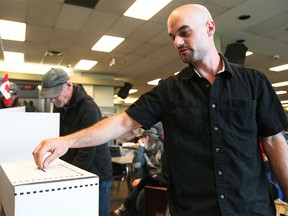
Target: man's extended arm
(99,133)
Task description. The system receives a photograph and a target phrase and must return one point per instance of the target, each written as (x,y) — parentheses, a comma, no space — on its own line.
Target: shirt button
(213,105)
(217,149)
(222,196)
(207,85)
(219,173)
(216,128)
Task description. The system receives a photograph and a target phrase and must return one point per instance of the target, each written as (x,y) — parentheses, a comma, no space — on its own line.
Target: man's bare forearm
(103,131)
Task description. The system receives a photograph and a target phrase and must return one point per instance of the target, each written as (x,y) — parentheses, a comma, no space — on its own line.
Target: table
(127,161)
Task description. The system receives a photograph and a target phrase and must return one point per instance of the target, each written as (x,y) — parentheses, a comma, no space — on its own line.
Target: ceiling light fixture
(107,43)
(154,82)
(13,57)
(279,68)
(281,92)
(30,68)
(280,84)
(10,30)
(131,91)
(130,100)
(248,53)
(84,64)
(145,9)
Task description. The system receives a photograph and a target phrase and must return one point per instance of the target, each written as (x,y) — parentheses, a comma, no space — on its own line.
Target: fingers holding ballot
(56,146)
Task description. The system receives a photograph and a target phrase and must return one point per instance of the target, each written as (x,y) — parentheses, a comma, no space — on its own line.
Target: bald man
(213,113)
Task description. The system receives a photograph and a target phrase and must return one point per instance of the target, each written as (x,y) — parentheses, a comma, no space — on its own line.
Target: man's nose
(178,41)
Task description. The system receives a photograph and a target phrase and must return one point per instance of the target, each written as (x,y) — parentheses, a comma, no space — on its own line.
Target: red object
(5,90)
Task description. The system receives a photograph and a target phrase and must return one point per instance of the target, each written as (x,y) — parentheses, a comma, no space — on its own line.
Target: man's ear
(69,83)
(210,27)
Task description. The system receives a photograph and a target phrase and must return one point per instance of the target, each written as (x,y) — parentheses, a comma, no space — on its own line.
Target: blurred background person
(14,100)
(30,107)
(148,160)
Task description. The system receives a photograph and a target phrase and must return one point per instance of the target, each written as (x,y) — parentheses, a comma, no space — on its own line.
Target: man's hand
(135,182)
(56,146)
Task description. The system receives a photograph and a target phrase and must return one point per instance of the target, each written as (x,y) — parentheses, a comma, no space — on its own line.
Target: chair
(155,201)
(120,172)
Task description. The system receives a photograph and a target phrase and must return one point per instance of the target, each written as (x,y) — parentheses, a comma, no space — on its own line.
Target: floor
(116,199)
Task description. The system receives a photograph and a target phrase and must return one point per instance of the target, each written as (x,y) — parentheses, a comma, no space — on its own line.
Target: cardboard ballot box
(61,189)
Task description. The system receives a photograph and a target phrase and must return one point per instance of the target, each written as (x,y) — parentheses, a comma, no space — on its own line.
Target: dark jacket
(83,112)
(147,161)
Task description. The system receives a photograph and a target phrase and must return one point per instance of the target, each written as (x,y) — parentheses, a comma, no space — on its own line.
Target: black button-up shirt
(212,139)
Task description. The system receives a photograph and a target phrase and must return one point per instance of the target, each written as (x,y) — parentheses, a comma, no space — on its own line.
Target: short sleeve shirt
(212,139)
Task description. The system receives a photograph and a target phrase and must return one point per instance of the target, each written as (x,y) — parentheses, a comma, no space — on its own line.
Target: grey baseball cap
(52,83)
(152,132)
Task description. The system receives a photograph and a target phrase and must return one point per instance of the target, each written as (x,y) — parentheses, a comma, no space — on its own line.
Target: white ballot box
(61,189)
(21,133)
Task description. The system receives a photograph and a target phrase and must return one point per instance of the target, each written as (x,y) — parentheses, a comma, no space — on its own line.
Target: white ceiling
(147,52)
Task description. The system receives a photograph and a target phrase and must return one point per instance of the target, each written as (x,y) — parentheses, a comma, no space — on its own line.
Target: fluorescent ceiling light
(107,43)
(30,68)
(131,91)
(285,83)
(13,57)
(10,30)
(281,92)
(248,53)
(85,64)
(154,82)
(279,68)
(284,101)
(145,9)
(129,100)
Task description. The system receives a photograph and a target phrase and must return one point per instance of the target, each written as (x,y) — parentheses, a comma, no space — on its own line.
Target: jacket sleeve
(89,115)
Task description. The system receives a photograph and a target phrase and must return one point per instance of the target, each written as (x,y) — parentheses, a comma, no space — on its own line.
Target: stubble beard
(187,57)
(58,104)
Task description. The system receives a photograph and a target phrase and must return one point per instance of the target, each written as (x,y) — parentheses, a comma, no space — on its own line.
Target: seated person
(147,162)
(147,156)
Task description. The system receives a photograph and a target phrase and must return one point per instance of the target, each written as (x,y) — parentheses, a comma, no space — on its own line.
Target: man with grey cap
(77,111)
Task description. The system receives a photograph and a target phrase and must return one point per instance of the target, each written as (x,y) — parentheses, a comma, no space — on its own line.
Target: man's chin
(185,58)
(58,106)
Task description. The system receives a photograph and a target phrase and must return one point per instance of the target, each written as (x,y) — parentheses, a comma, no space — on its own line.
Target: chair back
(155,201)
(115,151)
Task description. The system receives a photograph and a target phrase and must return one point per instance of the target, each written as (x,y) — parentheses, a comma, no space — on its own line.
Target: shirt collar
(189,71)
